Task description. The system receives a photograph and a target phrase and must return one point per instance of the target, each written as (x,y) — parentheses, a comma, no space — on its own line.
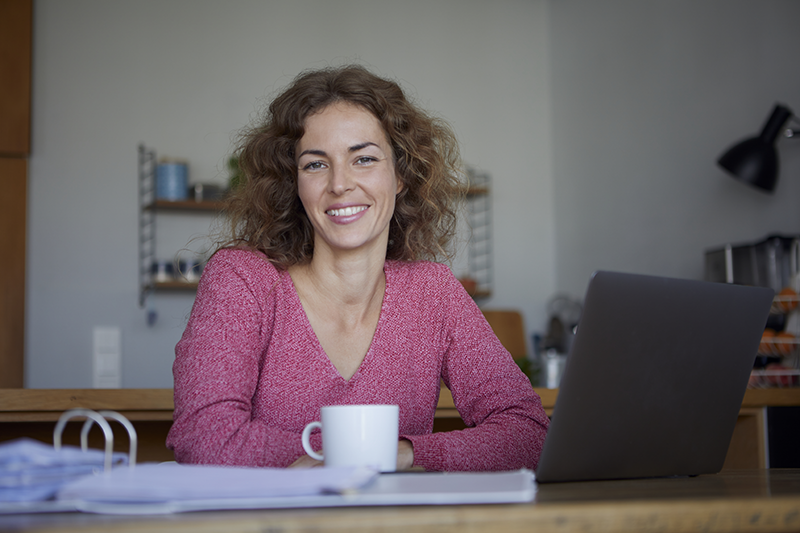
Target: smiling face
(346,179)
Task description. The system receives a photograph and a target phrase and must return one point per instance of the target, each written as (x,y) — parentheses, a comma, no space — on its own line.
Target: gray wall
(646,96)
(184,75)
(599,122)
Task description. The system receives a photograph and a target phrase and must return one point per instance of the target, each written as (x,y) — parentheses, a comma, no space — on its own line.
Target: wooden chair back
(510,329)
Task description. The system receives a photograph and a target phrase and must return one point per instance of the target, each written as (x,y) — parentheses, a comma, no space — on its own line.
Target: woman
(326,293)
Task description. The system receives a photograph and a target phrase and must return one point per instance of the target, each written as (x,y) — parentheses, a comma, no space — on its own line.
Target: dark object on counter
(763,360)
(776,322)
(783,425)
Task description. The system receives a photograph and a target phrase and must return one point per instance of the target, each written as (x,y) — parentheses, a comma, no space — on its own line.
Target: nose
(340,180)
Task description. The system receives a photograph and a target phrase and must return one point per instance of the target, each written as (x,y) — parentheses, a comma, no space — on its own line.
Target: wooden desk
(32,412)
(747,501)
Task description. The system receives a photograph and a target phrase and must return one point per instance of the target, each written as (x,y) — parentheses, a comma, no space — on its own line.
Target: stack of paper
(170,488)
(32,471)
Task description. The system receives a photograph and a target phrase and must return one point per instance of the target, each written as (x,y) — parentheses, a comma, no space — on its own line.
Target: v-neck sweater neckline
(312,335)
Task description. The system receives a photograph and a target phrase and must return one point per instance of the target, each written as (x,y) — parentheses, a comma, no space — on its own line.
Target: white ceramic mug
(357,435)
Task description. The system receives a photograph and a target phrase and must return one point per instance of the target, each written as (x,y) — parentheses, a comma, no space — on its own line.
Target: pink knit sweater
(250,373)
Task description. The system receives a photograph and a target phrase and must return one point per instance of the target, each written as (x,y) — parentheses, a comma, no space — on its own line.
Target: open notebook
(171,488)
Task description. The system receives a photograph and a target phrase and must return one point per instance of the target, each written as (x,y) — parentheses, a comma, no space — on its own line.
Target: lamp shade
(755,160)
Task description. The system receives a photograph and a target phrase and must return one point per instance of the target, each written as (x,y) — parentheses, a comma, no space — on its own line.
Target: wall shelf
(185,205)
(175,285)
(149,208)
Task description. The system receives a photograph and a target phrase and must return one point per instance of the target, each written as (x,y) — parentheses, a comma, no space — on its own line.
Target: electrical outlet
(107,357)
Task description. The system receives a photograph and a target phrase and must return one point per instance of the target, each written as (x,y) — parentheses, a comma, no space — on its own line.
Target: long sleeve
(216,371)
(506,424)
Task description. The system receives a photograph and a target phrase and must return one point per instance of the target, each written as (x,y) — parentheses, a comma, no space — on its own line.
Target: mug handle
(307,442)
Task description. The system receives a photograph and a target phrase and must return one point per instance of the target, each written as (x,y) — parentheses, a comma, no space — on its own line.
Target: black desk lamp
(755,160)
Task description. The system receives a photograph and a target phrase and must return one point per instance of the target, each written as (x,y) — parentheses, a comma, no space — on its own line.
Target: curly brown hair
(265,211)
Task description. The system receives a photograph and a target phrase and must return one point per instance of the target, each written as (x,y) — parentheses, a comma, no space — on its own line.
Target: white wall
(645,97)
(184,75)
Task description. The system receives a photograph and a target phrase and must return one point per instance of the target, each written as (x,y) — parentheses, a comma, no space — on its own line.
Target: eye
(365,160)
(314,165)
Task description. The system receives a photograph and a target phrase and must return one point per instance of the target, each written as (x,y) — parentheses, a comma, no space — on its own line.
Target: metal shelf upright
(479,215)
(147,221)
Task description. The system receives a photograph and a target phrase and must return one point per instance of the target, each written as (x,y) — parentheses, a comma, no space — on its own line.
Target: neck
(347,282)
(351,283)
(348,276)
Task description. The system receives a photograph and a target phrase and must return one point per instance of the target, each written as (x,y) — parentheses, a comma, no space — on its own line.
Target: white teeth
(346,212)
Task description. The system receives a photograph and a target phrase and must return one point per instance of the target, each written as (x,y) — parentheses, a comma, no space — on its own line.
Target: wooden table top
(757,500)
(748,500)
(46,404)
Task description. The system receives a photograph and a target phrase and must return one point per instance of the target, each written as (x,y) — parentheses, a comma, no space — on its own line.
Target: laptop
(654,381)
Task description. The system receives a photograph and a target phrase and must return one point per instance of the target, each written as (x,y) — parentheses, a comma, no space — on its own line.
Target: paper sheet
(176,482)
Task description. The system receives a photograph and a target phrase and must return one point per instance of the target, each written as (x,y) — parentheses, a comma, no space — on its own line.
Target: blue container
(172,181)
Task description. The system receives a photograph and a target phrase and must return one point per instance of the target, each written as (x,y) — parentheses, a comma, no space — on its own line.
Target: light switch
(107,357)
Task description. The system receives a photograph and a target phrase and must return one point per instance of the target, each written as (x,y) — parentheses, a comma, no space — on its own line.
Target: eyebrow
(361,146)
(354,148)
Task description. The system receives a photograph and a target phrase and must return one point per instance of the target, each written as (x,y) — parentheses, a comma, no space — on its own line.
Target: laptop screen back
(655,378)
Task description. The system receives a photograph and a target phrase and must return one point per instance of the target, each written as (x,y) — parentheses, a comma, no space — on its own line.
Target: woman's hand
(305,461)
(405,454)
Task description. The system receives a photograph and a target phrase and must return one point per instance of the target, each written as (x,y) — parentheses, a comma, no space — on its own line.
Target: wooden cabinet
(15,133)
(13,203)
(15,77)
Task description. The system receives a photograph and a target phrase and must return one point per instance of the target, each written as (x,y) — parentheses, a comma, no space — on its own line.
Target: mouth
(346,211)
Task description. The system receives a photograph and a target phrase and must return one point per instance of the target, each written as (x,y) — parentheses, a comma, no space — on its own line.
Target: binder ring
(99,417)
